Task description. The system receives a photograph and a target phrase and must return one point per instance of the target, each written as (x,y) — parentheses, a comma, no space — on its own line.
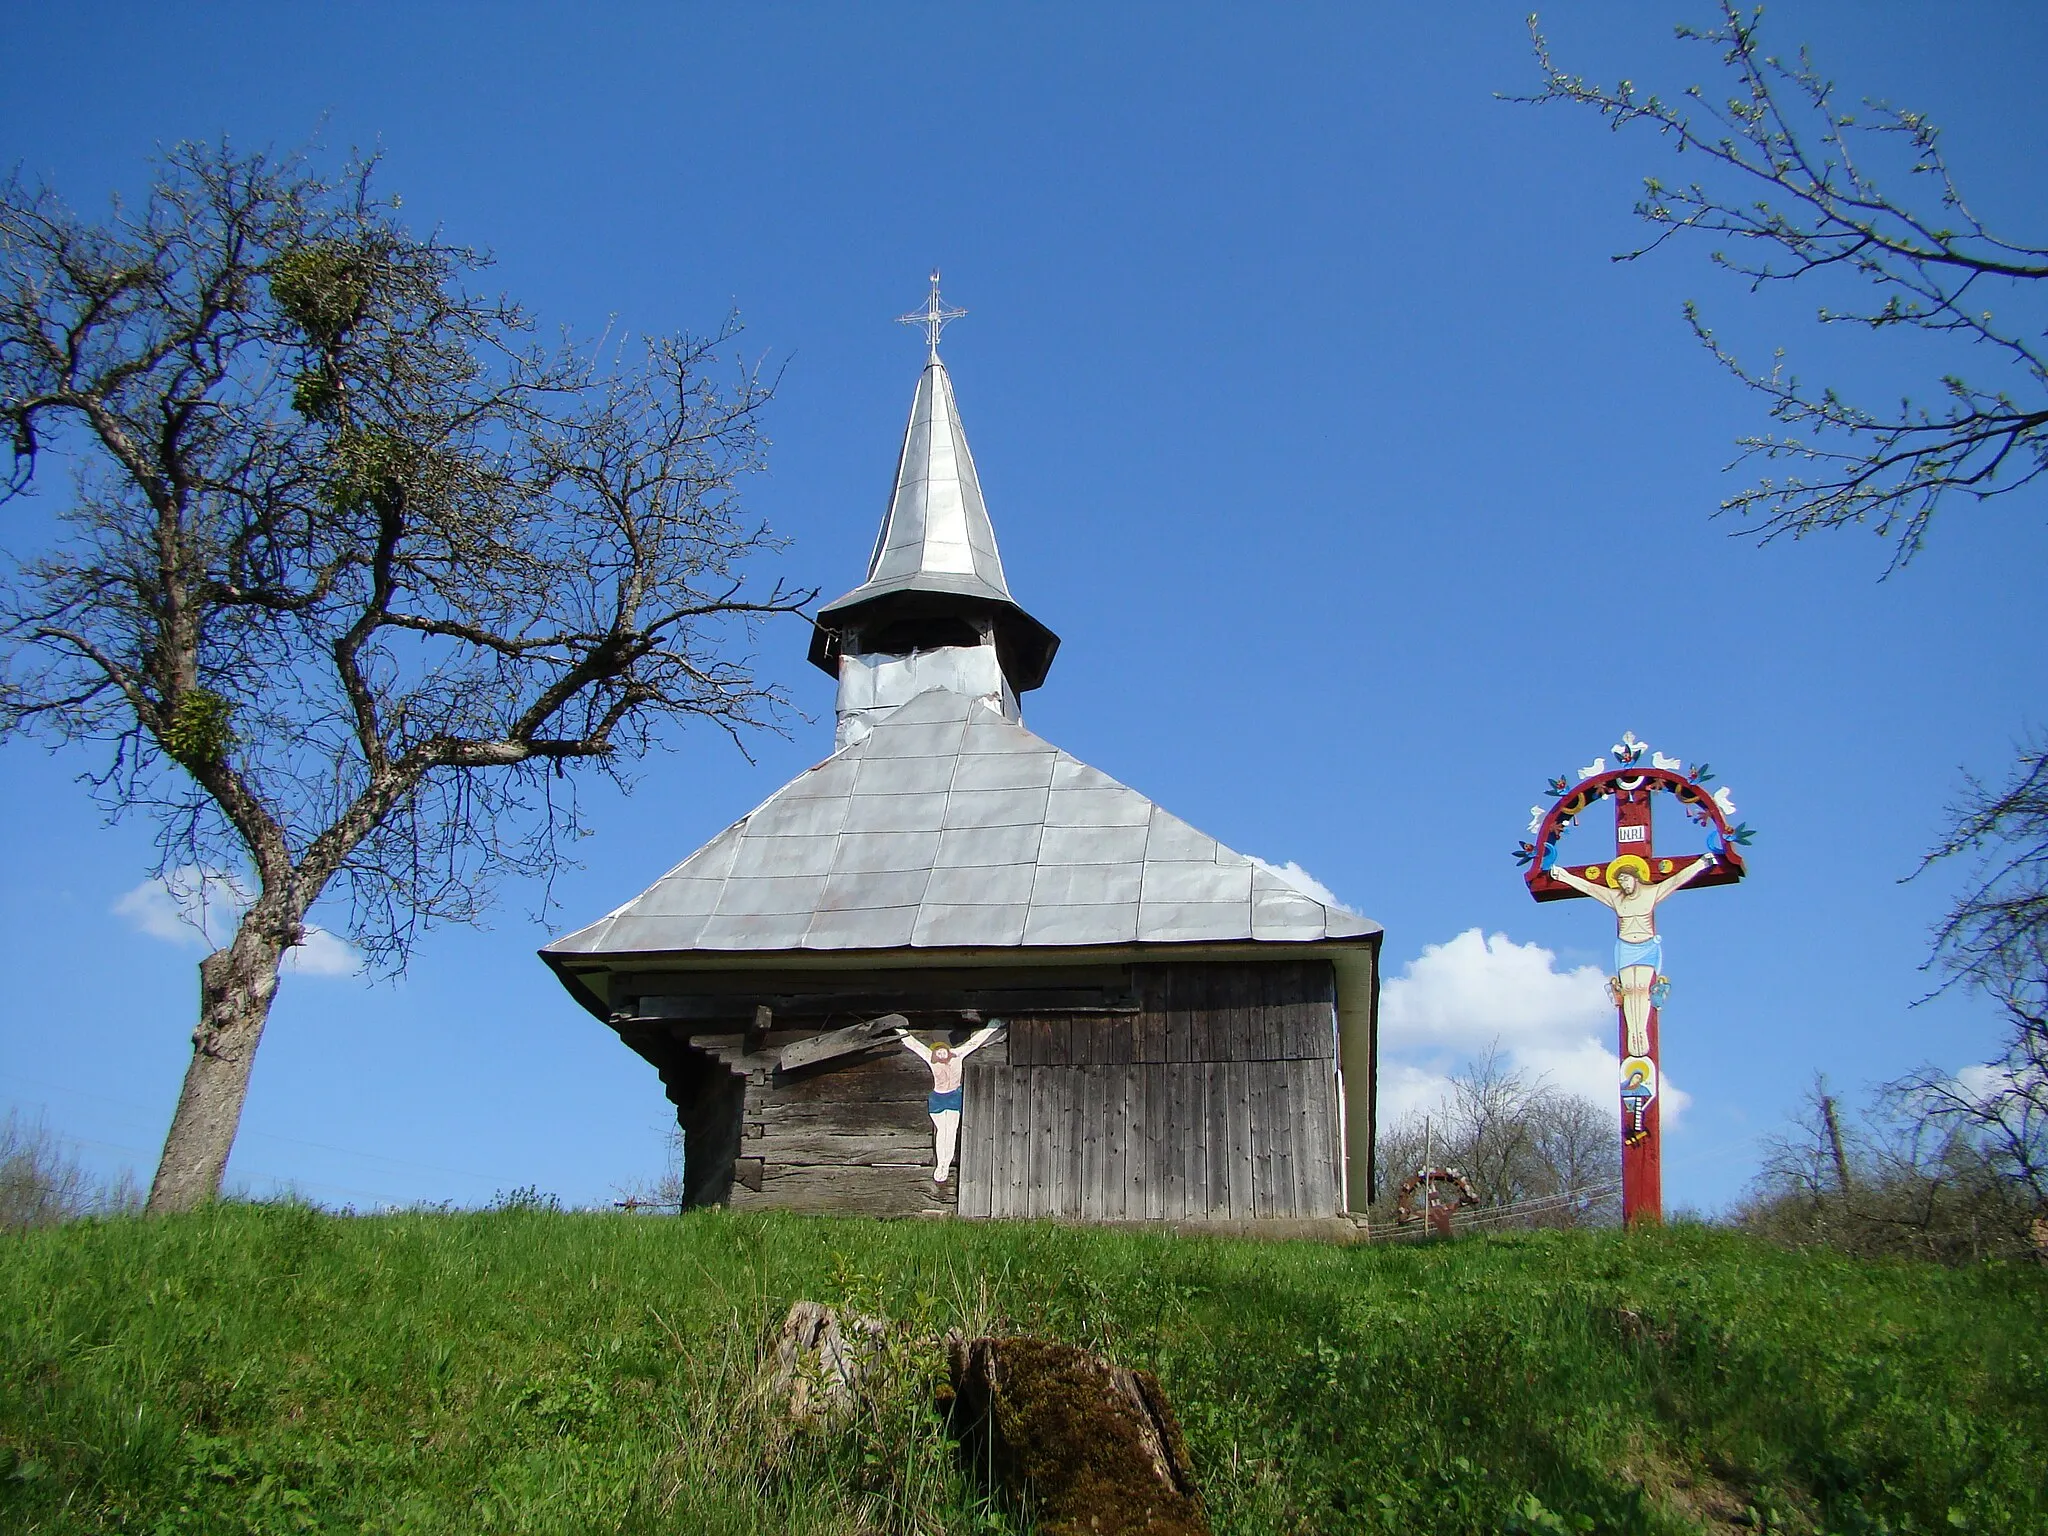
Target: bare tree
(668,1191)
(352,570)
(42,1184)
(1533,1154)
(1790,190)
(1995,939)
(1806,1172)
(1892,1181)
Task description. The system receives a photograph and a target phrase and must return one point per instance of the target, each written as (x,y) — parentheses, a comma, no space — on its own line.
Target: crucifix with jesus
(1633,884)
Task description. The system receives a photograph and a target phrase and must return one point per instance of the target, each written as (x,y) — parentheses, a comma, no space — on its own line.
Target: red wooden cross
(1633,788)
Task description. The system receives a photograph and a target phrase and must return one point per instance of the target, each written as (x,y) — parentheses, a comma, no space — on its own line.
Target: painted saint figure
(946,1062)
(1638,1089)
(1638,952)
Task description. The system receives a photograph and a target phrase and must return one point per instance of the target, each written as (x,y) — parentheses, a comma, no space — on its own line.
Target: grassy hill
(276,1369)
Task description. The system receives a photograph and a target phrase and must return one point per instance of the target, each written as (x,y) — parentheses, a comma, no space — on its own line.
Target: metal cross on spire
(933,317)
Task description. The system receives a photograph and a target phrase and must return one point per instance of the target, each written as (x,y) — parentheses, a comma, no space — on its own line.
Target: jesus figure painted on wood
(1638,951)
(947,1063)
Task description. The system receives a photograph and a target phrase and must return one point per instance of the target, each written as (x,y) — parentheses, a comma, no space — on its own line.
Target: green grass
(276,1369)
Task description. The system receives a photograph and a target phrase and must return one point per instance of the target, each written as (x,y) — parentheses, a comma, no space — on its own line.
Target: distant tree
(1789,196)
(1534,1155)
(41,1184)
(351,569)
(665,1192)
(1995,940)
(1892,1181)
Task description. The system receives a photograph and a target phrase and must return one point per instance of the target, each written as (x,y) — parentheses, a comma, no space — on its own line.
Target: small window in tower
(927,633)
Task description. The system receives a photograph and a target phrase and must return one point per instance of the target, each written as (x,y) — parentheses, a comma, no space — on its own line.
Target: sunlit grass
(273,1368)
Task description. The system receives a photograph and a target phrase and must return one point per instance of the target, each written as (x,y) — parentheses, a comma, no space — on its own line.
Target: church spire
(935,580)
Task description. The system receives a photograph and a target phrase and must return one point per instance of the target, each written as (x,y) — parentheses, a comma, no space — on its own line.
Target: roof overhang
(588,977)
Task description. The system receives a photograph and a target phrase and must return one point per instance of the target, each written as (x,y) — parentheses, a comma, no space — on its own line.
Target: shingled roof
(951,827)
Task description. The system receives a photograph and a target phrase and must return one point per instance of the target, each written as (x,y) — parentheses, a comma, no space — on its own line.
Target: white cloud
(1459,998)
(1406,1089)
(198,908)
(1984,1081)
(1301,880)
(1471,990)
(154,911)
(321,953)
(190,905)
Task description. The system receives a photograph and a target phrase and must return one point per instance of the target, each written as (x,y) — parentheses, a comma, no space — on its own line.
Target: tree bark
(236,987)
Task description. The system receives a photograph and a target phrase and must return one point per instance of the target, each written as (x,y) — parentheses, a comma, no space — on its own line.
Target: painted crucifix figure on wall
(1638,951)
(947,1063)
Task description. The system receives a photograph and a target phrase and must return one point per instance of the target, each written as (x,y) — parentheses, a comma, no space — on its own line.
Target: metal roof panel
(896,813)
(1092,845)
(978,847)
(995,808)
(1084,885)
(1004,770)
(868,928)
(985,885)
(884,852)
(1113,924)
(1028,848)
(943,926)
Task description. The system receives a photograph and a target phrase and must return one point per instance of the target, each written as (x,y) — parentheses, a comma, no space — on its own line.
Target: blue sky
(1365,491)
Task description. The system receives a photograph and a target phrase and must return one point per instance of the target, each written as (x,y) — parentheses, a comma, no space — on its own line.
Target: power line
(1532,1205)
(261,1135)
(253,1173)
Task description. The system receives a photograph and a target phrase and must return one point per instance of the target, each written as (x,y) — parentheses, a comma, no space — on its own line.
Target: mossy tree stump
(1092,1447)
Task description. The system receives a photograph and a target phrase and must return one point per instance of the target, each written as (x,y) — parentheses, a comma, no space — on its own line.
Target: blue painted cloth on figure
(1650,952)
(938,1103)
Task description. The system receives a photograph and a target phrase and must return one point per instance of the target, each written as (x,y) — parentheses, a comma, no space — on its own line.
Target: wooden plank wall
(1216,1100)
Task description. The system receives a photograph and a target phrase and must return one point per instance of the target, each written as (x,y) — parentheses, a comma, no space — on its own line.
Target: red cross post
(1632,884)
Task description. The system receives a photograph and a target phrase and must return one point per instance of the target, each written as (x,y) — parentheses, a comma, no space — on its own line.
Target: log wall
(1208,1092)
(852,1138)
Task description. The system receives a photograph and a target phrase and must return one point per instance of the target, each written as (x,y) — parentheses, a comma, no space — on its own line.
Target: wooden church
(950,931)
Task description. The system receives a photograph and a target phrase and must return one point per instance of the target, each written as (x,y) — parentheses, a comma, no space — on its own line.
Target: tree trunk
(236,986)
(1827,1109)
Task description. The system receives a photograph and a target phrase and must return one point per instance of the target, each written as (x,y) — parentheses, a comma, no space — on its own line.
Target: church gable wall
(1178,1092)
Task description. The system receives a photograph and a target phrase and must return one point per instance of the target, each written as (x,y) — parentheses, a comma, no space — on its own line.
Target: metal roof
(936,539)
(936,536)
(947,827)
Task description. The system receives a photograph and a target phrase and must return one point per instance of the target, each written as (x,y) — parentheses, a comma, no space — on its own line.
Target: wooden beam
(1545,887)
(835,1043)
(897,1146)
(852,1191)
(1003,1001)
(657,981)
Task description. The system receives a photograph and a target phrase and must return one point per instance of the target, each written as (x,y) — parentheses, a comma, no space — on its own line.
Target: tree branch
(1818,215)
